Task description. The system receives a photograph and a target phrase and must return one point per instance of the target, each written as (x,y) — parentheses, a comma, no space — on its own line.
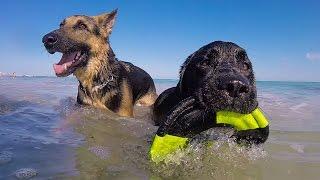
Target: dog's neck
(98,69)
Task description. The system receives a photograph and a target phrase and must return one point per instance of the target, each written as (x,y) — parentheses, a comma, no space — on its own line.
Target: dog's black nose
(234,87)
(49,39)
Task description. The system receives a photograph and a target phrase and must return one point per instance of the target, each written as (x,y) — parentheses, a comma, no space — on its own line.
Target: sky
(282,38)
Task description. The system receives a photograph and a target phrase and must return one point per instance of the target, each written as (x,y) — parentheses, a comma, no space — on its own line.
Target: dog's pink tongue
(66,61)
(60,69)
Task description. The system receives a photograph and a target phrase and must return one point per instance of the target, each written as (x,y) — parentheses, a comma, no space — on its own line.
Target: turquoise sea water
(44,133)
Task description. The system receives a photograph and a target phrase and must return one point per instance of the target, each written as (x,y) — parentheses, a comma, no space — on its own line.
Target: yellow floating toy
(168,144)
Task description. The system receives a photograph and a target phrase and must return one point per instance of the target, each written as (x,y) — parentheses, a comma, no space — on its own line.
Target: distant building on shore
(2,74)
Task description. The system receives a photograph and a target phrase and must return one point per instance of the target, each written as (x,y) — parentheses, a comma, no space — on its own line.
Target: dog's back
(142,85)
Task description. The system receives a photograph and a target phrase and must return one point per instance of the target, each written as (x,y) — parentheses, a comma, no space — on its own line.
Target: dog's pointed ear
(107,20)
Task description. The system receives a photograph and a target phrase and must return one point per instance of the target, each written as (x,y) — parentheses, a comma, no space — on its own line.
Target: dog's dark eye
(246,66)
(81,25)
(205,63)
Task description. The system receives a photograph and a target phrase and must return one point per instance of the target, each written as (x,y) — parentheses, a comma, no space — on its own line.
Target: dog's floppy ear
(106,21)
(182,85)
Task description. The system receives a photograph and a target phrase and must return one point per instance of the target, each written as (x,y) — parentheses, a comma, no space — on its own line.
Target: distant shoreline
(155,79)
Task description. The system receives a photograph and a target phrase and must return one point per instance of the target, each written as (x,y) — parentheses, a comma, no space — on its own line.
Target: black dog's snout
(49,39)
(234,87)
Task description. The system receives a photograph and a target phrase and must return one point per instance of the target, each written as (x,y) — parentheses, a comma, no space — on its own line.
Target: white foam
(25,173)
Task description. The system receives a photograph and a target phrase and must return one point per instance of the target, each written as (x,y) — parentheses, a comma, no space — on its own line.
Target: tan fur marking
(147,100)
(126,107)
(98,58)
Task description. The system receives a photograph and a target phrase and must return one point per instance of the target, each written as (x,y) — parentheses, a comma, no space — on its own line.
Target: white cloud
(314,56)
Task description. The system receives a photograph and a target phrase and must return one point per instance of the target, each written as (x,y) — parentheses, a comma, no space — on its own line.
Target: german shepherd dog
(104,81)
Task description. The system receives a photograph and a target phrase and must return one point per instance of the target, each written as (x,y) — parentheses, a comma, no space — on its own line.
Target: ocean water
(45,135)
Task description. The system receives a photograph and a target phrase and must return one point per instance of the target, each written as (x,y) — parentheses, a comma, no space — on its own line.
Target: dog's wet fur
(104,81)
(219,76)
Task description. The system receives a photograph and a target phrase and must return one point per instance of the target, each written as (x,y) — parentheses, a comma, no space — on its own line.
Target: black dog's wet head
(220,75)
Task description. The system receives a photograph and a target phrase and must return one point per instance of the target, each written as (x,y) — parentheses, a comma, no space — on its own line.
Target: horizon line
(175,79)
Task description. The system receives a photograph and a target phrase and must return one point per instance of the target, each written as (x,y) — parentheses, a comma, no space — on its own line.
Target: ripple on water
(5,157)
(25,173)
(115,170)
(297,147)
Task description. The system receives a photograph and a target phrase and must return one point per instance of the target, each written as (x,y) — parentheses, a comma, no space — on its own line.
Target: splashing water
(209,155)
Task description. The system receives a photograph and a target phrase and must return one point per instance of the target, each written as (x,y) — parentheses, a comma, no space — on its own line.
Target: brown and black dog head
(83,42)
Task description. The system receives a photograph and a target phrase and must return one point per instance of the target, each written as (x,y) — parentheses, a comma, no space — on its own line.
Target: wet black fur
(191,106)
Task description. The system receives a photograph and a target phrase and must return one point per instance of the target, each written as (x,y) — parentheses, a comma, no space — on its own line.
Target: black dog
(219,76)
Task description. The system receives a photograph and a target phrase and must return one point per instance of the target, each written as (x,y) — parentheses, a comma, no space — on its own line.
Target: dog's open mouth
(69,63)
